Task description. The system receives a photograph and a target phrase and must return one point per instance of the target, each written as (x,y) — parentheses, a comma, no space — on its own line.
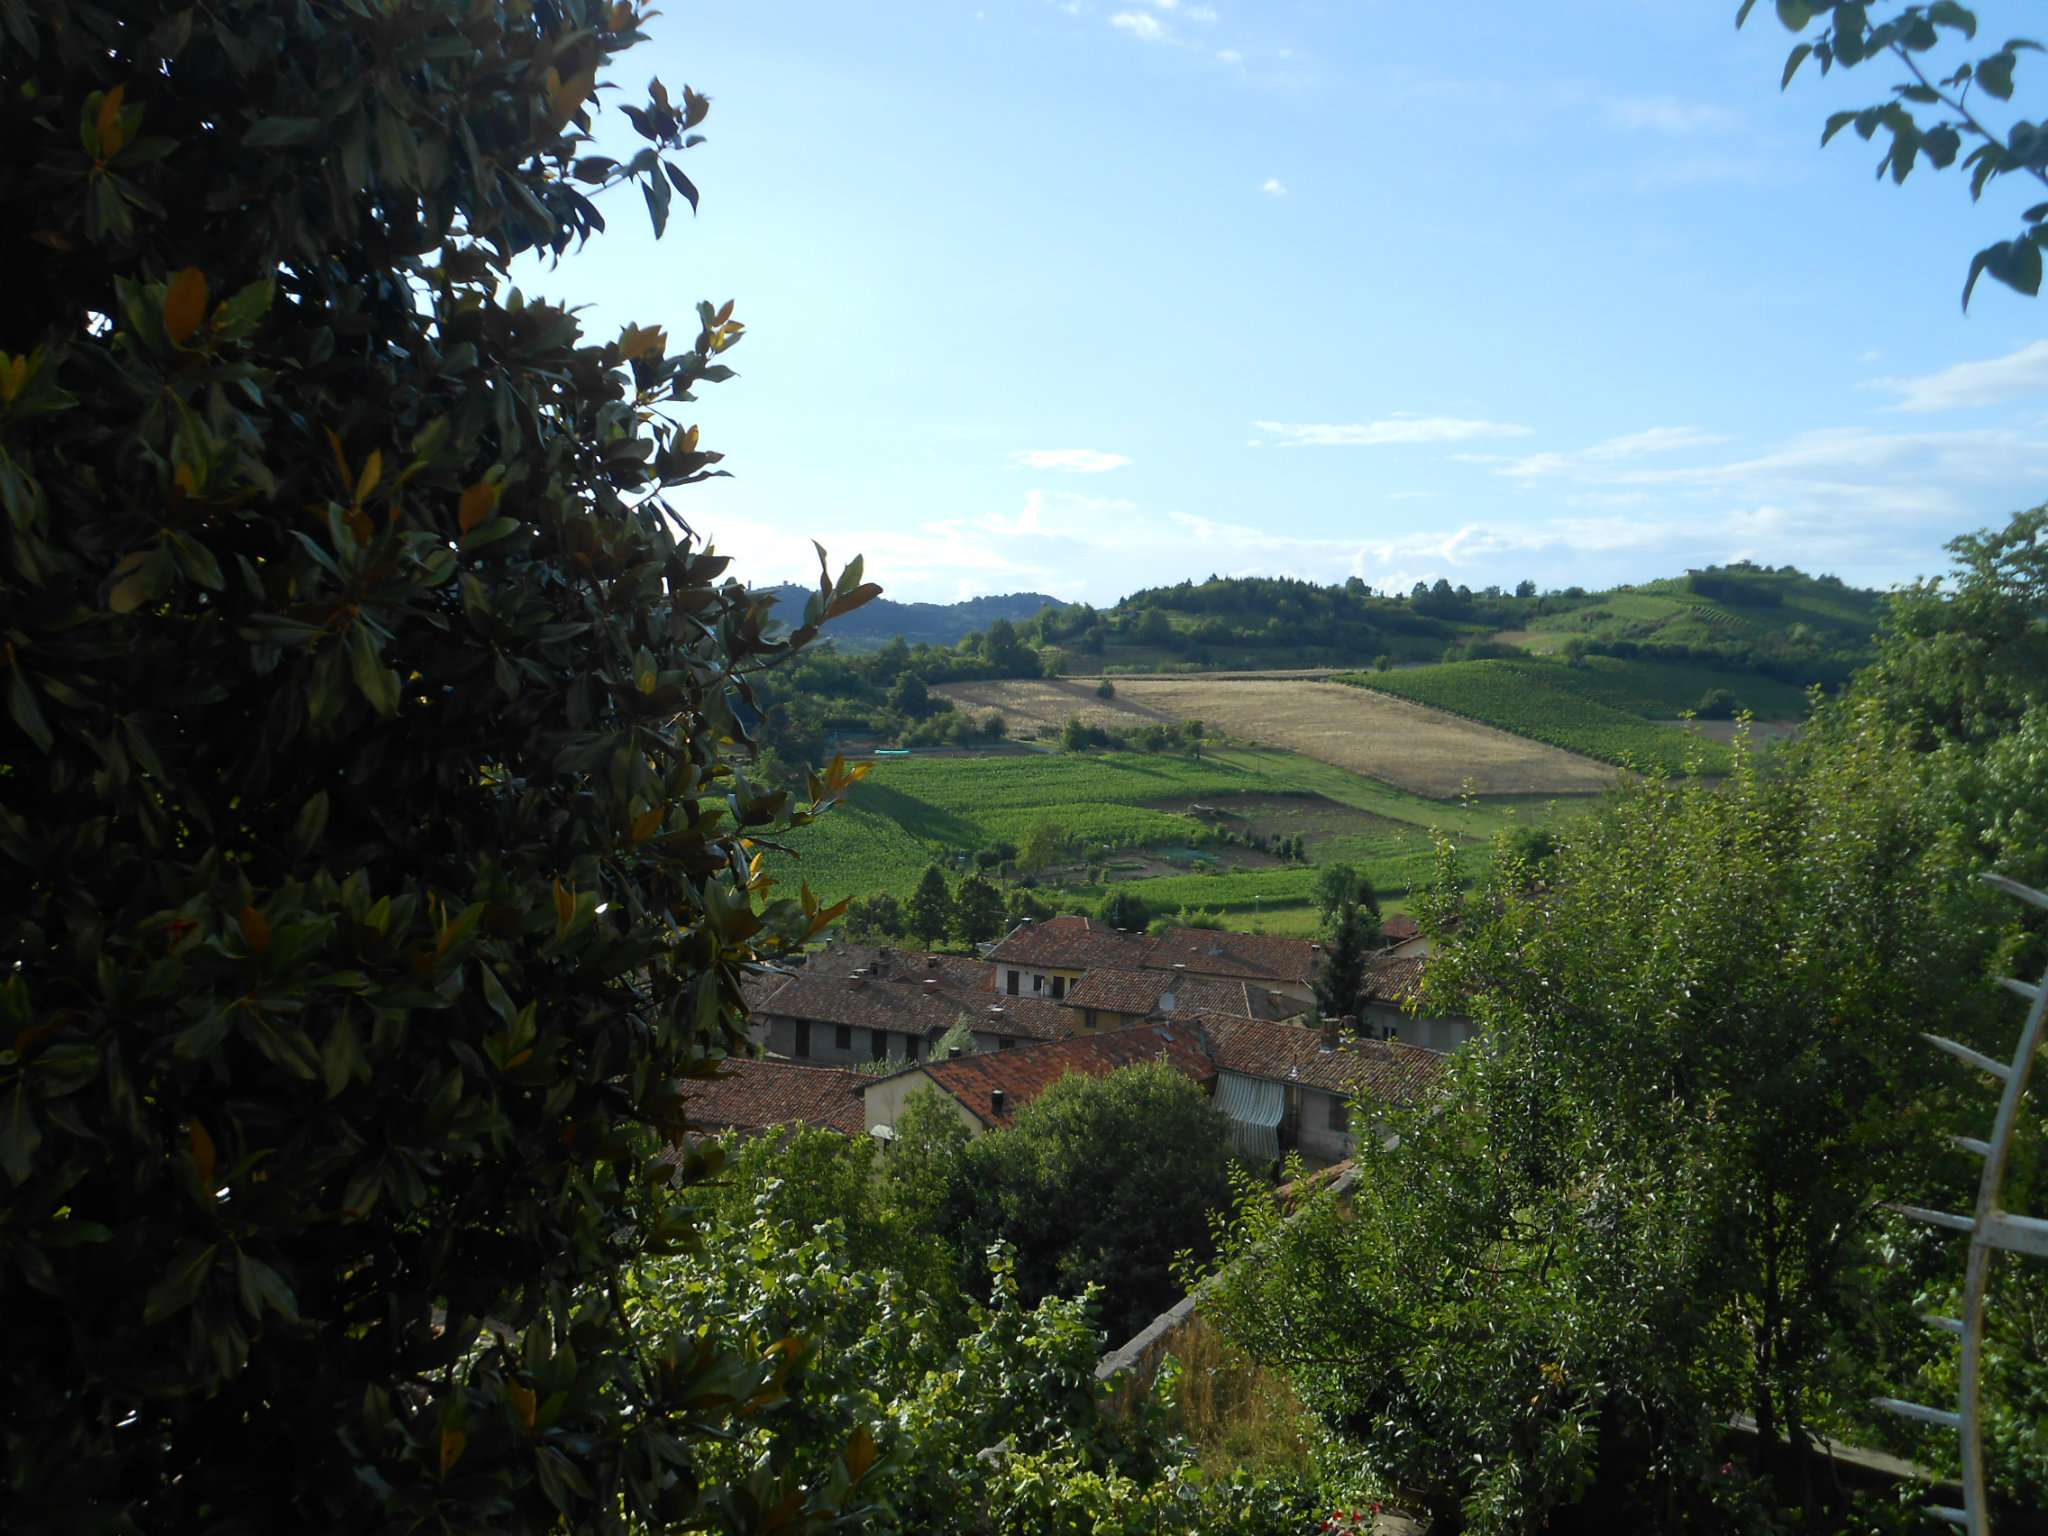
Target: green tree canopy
(977,910)
(375,866)
(929,915)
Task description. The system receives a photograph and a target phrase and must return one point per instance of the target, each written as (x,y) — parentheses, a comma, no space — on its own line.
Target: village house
(1046,959)
(1393,987)
(1114,997)
(987,1090)
(1288,1088)
(861,1003)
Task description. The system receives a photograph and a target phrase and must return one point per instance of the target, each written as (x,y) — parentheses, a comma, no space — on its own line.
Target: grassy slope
(913,811)
(1605,710)
(1668,611)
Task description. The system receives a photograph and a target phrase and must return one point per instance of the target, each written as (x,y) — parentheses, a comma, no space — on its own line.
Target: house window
(1004,1042)
(1059,988)
(1340,1114)
(878,1044)
(842,1037)
(803,1037)
(1013,983)
(1088,1014)
(1037,985)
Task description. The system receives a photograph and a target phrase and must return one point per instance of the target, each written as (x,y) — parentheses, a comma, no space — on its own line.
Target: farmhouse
(1046,959)
(1393,986)
(858,1003)
(1288,1088)
(1114,997)
(987,1090)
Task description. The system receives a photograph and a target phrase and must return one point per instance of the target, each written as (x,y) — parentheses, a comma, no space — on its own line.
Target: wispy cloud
(1992,381)
(1073,461)
(1667,114)
(1399,428)
(1273,186)
(1142,25)
(1630,446)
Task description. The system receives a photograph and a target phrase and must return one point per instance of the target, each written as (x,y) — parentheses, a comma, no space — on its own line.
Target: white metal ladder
(1990,1228)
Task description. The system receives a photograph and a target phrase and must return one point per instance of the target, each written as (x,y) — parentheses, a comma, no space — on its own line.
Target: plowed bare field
(1407,745)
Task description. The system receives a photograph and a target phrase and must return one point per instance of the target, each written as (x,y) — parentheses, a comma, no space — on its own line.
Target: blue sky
(1080,297)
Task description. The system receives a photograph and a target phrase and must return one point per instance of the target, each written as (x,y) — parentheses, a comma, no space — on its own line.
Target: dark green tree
(1101,1181)
(1338,883)
(376,868)
(930,912)
(1125,909)
(977,910)
(1340,984)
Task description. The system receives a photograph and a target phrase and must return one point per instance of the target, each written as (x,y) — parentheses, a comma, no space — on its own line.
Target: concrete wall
(1313,1137)
(883,1100)
(1446,1034)
(778,1035)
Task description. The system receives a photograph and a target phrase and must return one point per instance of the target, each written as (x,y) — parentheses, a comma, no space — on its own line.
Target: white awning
(1254,1107)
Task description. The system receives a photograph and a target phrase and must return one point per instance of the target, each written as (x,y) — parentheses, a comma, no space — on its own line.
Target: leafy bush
(1718,704)
(375,869)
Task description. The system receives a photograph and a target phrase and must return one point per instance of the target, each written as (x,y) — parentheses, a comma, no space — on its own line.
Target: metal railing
(1991,1228)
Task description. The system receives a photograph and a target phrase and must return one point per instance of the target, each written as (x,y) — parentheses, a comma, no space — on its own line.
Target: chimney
(952,1053)
(995,1100)
(931,962)
(856,980)
(1180,965)
(995,1010)
(931,983)
(1330,1029)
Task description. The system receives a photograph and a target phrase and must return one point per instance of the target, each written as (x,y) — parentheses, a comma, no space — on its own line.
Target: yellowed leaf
(373,471)
(340,458)
(519,1060)
(861,1452)
(111,140)
(642,341)
(522,1401)
(185,478)
(255,930)
(129,590)
(477,504)
(648,822)
(184,305)
(13,376)
(565,904)
(453,1443)
(203,1155)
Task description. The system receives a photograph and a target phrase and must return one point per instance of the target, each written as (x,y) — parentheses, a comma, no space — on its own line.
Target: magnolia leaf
(184,305)
(861,1452)
(203,1155)
(453,1443)
(255,930)
(109,124)
(477,504)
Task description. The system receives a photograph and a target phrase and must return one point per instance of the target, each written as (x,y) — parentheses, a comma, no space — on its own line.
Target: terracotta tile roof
(1120,990)
(830,998)
(1070,943)
(1397,981)
(1026,1072)
(1022,1018)
(1398,928)
(1379,1069)
(1213,952)
(752,1095)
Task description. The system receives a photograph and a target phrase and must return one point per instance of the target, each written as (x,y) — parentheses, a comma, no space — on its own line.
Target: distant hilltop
(875,625)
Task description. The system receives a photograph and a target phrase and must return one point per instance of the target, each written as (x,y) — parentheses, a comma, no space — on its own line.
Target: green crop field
(1545,701)
(912,812)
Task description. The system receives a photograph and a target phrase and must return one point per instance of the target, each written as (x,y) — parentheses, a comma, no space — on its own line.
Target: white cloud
(1139,24)
(1399,428)
(1229,56)
(1667,114)
(1273,186)
(1202,13)
(1992,381)
(1074,461)
(1632,445)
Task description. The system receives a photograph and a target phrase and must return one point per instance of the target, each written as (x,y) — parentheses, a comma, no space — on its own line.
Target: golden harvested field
(1407,745)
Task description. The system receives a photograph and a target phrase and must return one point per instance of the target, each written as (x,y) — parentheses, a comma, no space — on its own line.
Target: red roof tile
(1023,1018)
(1069,943)
(910,993)
(1214,952)
(754,1095)
(1294,1053)
(1026,1072)
(1119,990)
